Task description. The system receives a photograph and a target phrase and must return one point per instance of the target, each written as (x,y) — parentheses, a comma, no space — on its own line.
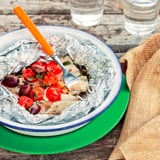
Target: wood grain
(110,30)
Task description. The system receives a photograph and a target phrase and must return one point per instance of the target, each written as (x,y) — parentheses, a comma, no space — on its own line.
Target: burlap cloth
(140,135)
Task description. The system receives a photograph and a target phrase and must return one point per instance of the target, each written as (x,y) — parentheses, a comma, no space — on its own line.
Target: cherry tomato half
(54,67)
(29,75)
(25,101)
(50,79)
(53,94)
(37,93)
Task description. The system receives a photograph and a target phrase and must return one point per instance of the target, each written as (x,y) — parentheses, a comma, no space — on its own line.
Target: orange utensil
(33,29)
(69,78)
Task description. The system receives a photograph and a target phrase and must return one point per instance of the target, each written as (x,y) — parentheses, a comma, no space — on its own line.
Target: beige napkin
(144,144)
(143,78)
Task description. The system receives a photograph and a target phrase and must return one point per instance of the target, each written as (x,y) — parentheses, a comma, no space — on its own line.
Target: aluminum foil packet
(25,52)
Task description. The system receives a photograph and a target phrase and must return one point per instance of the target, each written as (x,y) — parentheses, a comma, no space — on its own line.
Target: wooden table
(110,30)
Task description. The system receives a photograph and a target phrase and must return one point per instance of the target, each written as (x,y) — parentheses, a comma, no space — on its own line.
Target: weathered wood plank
(110,30)
(38,7)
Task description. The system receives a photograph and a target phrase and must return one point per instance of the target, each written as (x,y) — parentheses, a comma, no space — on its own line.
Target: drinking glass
(140,15)
(86,12)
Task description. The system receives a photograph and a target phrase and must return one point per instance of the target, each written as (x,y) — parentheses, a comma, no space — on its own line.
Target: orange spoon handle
(33,29)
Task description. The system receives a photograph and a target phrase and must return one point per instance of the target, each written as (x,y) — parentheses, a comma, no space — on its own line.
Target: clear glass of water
(86,12)
(140,15)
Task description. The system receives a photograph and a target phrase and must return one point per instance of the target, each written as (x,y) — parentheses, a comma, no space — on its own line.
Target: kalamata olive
(10,81)
(35,109)
(25,90)
(39,67)
(82,69)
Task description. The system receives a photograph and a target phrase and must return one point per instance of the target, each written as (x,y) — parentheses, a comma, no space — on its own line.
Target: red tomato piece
(53,94)
(50,79)
(29,75)
(37,93)
(39,67)
(25,101)
(54,67)
(62,87)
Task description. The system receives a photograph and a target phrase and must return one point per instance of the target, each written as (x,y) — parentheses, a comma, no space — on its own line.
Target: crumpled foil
(25,52)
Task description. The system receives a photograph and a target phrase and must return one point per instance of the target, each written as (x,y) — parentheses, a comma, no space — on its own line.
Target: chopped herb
(39,76)
(66,63)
